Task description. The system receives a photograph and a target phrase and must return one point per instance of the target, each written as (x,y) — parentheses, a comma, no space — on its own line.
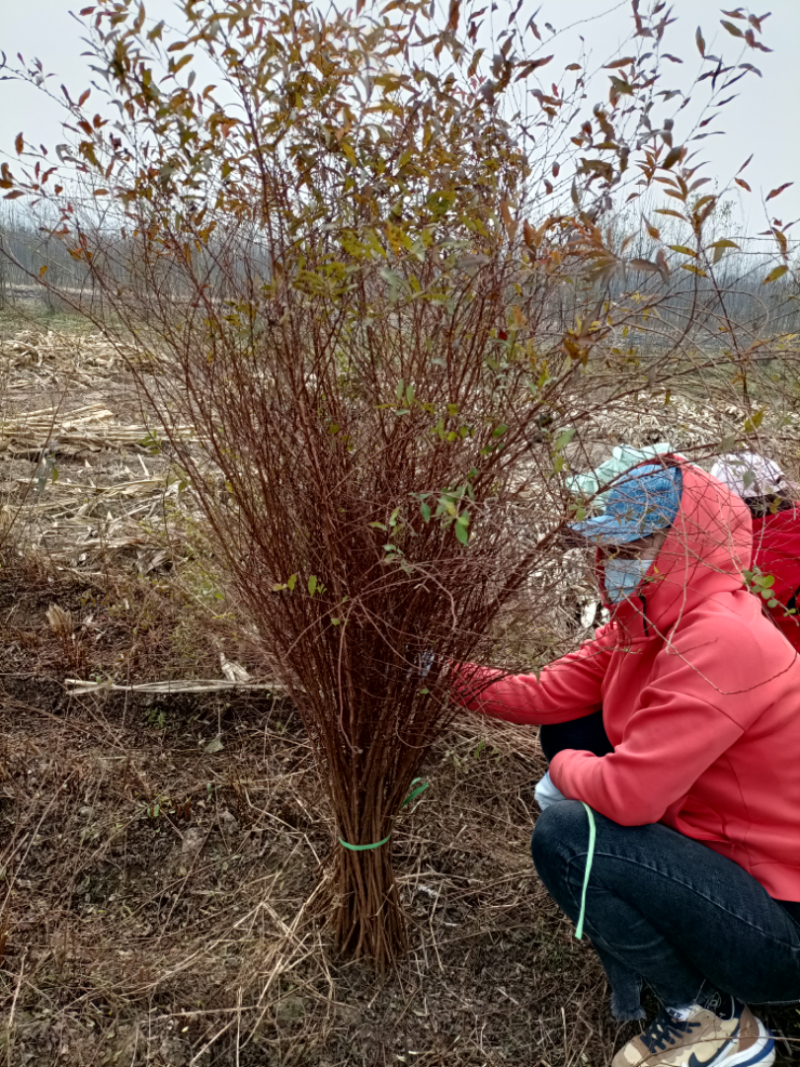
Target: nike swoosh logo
(694,1062)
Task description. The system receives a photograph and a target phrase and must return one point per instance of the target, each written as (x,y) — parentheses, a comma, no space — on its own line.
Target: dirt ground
(163,860)
(163,857)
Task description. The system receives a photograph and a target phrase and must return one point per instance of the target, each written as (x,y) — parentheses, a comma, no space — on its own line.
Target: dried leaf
(734,31)
(683,250)
(773,275)
(701,44)
(779,190)
(645,265)
(669,211)
(61,622)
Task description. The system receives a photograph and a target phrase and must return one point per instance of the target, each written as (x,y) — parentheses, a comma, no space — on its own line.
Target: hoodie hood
(706,549)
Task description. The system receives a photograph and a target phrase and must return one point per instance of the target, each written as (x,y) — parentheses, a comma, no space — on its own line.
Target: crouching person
(670,829)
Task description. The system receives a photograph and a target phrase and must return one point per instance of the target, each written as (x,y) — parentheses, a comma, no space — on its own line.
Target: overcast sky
(763,120)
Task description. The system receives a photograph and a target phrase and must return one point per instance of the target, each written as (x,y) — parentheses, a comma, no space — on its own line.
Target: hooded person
(671,809)
(762,485)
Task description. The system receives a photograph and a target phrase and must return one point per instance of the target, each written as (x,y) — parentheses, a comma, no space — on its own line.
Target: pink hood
(707,548)
(700,696)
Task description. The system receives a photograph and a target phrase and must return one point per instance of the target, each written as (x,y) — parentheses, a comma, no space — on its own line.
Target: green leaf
(563,439)
(751,424)
(312,584)
(292,582)
(426,511)
(462,533)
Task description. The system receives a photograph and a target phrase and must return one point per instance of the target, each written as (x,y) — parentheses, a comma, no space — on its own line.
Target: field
(163,851)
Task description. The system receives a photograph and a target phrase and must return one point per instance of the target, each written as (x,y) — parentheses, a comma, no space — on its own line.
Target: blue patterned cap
(646,501)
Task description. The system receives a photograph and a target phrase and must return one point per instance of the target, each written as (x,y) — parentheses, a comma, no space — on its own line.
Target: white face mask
(623,576)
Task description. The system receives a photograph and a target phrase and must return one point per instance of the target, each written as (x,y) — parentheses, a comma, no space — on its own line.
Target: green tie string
(589,861)
(377,844)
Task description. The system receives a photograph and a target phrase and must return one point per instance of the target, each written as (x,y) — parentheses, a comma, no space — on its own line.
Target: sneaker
(709,1035)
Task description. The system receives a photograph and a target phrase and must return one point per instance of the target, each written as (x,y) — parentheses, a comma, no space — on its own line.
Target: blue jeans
(667,909)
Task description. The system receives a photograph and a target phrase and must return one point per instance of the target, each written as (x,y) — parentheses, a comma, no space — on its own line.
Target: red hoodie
(700,697)
(776,551)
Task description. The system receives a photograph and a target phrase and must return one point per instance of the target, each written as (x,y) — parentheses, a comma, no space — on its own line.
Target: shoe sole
(761,1054)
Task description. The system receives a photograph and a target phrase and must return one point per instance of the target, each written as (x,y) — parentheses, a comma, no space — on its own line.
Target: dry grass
(166,906)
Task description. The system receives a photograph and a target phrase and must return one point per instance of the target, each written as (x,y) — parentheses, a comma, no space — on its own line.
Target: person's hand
(425,661)
(546,793)
(421,666)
